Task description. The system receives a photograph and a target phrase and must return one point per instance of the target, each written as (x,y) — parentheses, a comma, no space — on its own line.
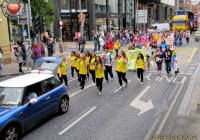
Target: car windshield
(181,23)
(10,96)
(152,27)
(47,65)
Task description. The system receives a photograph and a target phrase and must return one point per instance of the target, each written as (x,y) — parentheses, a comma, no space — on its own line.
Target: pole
(137,14)
(144,19)
(30,13)
(29,35)
(81,27)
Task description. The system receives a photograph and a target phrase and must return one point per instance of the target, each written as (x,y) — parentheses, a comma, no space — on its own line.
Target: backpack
(33,55)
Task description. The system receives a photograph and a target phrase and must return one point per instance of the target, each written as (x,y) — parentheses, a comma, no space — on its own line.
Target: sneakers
(160,74)
(94,84)
(78,83)
(141,83)
(68,86)
(121,87)
(72,78)
(106,81)
(100,94)
(126,84)
(82,88)
(112,78)
(138,79)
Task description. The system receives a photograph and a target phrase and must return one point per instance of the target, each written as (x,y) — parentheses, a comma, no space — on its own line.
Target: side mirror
(32,101)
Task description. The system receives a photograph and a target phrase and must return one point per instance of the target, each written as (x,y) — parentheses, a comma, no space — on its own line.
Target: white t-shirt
(108,59)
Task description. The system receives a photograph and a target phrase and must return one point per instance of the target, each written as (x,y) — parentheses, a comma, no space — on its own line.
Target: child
(140,65)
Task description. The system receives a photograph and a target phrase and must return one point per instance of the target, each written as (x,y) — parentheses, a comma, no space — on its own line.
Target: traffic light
(41,24)
(36,24)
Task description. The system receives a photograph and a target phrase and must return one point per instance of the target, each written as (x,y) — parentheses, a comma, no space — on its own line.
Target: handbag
(159,60)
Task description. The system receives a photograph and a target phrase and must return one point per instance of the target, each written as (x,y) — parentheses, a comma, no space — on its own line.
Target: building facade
(4,38)
(100,15)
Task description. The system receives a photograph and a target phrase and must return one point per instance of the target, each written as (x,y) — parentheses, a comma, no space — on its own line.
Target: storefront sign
(13,9)
(168,2)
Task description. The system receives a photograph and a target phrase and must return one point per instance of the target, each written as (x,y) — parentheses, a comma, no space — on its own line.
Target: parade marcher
(62,71)
(117,46)
(73,63)
(158,55)
(18,55)
(121,68)
(92,65)
(140,65)
(163,45)
(167,57)
(50,47)
(83,70)
(147,49)
(87,54)
(99,73)
(78,58)
(108,60)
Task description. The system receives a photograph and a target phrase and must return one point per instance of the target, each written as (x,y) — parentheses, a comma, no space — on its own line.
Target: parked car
(159,27)
(28,99)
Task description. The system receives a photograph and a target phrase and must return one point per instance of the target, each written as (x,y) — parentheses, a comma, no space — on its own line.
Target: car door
(35,112)
(53,92)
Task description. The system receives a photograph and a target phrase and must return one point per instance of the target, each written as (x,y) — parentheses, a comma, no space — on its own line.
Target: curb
(186,99)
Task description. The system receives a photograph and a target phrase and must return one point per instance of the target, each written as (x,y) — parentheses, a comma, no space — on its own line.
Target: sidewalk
(13,68)
(187,121)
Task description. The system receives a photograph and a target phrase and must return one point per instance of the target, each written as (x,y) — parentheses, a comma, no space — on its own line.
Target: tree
(41,8)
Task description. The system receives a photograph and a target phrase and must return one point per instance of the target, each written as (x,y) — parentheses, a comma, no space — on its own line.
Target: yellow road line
(192,55)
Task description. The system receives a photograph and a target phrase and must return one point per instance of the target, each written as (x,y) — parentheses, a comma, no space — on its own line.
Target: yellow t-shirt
(83,68)
(92,63)
(99,72)
(63,68)
(116,45)
(88,59)
(77,63)
(121,66)
(73,61)
(140,64)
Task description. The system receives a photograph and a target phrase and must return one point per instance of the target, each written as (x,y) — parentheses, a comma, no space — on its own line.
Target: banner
(132,56)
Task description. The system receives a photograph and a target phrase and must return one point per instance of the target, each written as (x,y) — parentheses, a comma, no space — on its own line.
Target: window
(101,24)
(50,84)
(33,92)
(113,6)
(65,6)
(181,1)
(11,96)
(100,6)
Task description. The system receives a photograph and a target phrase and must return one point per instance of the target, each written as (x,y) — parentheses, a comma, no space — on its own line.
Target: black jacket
(168,55)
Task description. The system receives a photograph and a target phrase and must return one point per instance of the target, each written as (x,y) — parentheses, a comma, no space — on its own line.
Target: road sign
(141,16)
(24,33)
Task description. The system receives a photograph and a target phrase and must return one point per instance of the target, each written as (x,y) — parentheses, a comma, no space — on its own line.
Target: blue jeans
(168,66)
(32,40)
(95,47)
(83,48)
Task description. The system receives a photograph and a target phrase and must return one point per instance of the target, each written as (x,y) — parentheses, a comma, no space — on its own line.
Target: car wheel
(11,132)
(64,105)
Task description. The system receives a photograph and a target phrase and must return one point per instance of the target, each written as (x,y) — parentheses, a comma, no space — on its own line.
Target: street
(134,113)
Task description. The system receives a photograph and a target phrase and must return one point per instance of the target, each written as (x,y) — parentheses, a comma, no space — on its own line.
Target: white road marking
(147,137)
(73,94)
(171,95)
(148,76)
(76,121)
(169,111)
(72,79)
(142,106)
(123,85)
(157,78)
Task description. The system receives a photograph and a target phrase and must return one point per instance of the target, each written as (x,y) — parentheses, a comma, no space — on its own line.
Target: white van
(159,27)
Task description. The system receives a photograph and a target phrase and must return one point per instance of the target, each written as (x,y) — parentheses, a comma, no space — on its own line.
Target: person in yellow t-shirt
(99,73)
(116,46)
(121,68)
(140,65)
(77,61)
(87,54)
(62,71)
(83,70)
(91,66)
(73,63)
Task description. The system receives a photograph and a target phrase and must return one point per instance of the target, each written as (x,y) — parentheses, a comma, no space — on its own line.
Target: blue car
(28,99)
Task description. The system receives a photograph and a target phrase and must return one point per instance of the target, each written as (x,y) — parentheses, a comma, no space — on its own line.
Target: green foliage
(45,9)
